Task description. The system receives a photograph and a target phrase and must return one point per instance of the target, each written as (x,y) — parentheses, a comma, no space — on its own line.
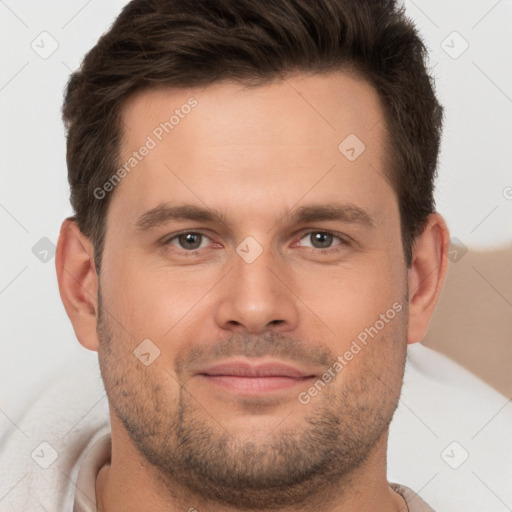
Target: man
(255,244)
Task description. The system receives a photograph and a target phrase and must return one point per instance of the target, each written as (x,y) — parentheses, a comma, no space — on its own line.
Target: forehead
(322,133)
(327,107)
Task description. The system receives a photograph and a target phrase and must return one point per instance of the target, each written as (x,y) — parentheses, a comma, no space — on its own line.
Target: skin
(180,442)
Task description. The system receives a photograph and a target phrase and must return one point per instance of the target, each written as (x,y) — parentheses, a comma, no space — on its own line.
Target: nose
(257,296)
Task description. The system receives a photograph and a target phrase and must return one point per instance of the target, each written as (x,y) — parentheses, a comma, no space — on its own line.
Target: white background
(37,338)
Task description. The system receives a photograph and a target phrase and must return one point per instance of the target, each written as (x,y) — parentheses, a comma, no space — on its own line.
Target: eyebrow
(344,212)
(166,212)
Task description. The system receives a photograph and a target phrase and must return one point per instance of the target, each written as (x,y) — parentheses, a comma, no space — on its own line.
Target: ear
(426,275)
(78,282)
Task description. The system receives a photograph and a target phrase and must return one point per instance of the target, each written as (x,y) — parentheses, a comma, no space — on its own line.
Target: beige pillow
(473,320)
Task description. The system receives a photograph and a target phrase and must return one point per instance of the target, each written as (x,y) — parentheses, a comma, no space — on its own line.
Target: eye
(188,240)
(323,240)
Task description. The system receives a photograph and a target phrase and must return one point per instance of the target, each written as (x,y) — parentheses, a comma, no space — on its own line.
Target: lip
(243,377)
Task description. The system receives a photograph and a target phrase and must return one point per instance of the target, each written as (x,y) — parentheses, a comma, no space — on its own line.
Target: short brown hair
(187,43)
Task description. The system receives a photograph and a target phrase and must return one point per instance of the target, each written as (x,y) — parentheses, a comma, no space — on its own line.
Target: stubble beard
(288,467)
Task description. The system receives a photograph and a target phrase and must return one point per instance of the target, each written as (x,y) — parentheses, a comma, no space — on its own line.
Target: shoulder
(414,502)
(45,439)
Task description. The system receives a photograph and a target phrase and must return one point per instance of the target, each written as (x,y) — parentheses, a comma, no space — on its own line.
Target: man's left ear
(426,275)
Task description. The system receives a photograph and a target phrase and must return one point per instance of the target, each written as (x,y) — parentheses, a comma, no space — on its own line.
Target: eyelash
(342,238)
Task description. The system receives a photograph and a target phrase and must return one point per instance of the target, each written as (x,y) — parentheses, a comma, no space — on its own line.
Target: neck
(129,483)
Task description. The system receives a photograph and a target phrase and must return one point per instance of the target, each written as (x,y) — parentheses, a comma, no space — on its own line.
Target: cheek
(137,376)
(350,298)
(150,302)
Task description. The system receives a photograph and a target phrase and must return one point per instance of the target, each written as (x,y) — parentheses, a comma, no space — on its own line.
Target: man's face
(251,310)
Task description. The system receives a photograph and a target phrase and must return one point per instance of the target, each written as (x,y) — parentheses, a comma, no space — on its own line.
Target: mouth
(252,379)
